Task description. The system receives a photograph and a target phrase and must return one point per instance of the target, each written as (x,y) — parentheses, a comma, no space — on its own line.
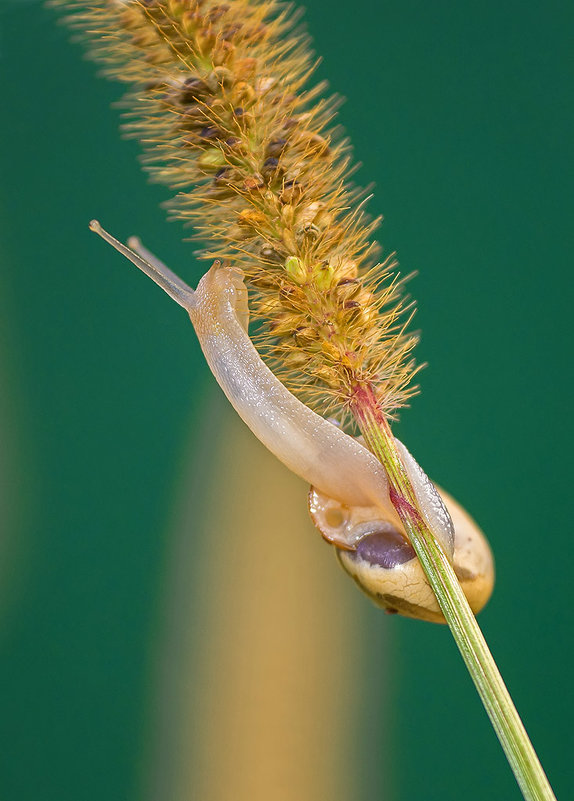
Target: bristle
(218,100)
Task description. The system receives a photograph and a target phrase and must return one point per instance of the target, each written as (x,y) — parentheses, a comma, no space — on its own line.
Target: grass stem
(452,601)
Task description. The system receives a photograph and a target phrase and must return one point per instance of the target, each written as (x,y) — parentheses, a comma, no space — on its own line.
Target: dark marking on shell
(387,548)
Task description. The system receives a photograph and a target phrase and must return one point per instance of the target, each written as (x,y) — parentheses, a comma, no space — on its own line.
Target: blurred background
(171,626)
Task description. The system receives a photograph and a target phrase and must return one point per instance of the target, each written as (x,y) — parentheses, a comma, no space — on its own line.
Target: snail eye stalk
(177,289)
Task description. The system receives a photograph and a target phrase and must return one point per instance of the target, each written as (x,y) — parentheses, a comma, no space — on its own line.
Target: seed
(270,254)
(251,217)
(216,12)
(296,269)
(244,92)
(283,324)
(229,32)
(253,182)
(288,239)
(245,68)
(190,21)
(264,84)
(295,359)
(275,148)
(291,191)
(269,307)
(212,159)
(314,145)
(328,375)
(288,214)
(310,231)
(209,132)
(330,350)
(323,276)
(233,143)
(193,89)
(304,335)
(347,288)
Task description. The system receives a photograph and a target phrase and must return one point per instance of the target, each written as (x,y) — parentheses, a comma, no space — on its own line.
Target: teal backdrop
(462,115)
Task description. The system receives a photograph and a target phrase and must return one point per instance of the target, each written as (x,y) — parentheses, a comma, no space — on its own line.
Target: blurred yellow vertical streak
(259,703)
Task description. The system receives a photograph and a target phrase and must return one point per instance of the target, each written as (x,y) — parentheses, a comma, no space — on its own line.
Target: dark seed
(193,89)
(253,182)
(270,170)
(230,32)
(210,132)
(275,147)
(221,176)
(216,13)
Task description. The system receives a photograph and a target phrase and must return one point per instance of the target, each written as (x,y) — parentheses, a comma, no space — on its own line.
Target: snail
(349,498)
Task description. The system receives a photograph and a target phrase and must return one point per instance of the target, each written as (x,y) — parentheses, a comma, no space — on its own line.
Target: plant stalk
(469,638)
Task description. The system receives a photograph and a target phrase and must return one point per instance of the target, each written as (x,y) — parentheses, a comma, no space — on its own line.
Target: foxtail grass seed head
(219,99)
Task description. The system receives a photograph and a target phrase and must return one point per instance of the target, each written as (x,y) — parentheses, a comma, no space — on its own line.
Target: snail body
(347,480)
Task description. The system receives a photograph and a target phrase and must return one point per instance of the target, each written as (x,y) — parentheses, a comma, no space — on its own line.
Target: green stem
(452,601)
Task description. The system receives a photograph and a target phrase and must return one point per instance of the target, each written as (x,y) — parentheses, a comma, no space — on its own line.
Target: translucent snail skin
(349,500)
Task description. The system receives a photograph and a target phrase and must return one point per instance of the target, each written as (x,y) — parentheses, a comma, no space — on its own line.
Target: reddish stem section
(370,416)
(364,405)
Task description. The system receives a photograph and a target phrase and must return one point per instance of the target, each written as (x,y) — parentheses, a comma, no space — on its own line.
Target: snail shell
(375,552)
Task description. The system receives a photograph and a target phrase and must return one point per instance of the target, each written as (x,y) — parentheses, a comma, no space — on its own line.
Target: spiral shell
(374,550)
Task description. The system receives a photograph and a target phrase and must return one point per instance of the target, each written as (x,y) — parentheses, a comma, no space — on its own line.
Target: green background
(461,113)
